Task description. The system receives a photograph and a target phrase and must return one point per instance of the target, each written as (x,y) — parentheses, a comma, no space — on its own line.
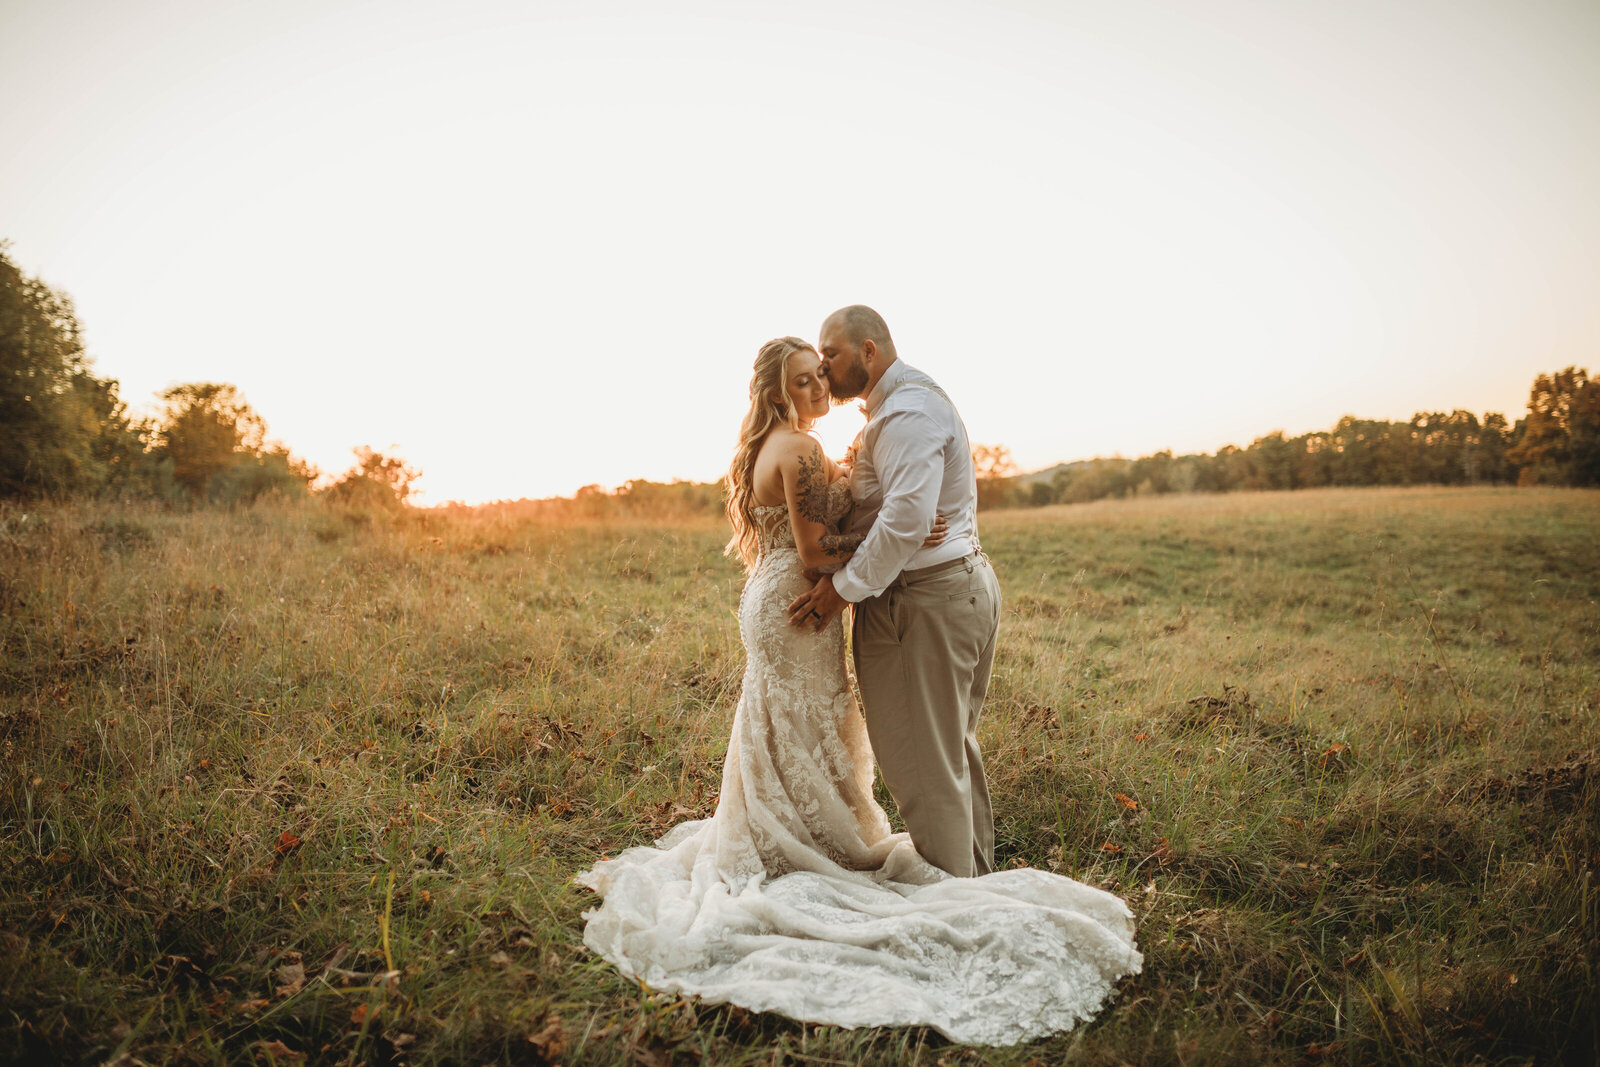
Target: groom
(926,618)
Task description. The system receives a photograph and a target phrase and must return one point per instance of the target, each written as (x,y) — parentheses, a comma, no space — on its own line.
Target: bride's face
(805,385)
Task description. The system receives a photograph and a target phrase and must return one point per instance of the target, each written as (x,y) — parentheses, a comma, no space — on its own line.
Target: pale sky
(536,245)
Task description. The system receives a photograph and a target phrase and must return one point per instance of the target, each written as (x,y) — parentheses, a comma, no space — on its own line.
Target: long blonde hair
(769,406)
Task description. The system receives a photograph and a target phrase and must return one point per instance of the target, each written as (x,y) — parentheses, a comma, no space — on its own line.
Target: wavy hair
(769,406)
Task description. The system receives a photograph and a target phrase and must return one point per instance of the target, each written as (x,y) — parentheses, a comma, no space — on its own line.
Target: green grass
(283,782)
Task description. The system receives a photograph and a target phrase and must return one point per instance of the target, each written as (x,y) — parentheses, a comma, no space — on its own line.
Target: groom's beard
(846,385)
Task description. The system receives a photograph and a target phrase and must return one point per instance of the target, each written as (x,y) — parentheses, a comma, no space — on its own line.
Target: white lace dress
(795,898)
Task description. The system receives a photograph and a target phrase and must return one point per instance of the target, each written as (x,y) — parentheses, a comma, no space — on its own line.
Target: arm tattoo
(838,545)
(812,503)
(811,488)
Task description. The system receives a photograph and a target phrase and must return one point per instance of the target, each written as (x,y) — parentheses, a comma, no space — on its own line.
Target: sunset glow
(536,246)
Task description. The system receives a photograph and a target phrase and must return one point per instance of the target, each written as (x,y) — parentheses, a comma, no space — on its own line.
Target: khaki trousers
(923,651)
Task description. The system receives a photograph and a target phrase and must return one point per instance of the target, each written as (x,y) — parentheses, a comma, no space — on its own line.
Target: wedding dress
(795,897)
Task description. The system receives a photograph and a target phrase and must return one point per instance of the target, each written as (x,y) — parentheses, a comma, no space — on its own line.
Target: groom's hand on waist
(818,607)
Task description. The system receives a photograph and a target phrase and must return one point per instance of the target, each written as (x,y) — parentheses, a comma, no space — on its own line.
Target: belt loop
(967,562)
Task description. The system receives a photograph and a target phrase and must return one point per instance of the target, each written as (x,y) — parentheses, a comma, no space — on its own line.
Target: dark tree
(376,481)
(205,430)
(62,430)
(996,472)
(1558,441)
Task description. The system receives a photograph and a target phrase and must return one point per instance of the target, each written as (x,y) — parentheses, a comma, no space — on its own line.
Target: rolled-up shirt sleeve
(908,452)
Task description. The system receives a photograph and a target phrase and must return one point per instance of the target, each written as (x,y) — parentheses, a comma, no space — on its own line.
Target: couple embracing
(795,896)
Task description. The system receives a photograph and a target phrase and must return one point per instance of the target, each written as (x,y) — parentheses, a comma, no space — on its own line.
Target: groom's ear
(869,348)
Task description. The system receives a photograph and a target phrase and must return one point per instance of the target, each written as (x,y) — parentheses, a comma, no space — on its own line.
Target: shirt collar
(880,392)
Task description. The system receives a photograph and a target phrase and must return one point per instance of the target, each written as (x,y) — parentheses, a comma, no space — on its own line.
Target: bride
(795,897)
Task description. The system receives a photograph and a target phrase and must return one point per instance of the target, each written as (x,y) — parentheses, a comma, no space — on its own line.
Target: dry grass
(285,783)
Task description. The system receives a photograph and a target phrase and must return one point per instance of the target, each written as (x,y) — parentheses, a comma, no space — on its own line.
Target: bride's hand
(940,530)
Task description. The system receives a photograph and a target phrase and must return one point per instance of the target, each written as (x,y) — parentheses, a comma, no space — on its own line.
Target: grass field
(288,785)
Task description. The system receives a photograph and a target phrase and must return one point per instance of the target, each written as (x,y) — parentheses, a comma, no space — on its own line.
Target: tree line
(66,432)
(1556,443)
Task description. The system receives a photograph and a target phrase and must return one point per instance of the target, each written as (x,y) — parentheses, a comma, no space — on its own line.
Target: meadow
(289,784)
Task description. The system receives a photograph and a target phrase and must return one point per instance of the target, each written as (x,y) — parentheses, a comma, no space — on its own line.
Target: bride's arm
(806,476)
(805,488)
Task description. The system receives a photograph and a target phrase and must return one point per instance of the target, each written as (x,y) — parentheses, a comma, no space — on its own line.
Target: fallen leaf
(277,1052)
(647,1056)
(1127,802)
(551,1041)
(1162,852)
(362,1013)
(291,978)
(1109,847)
(287,842)
(127,1059)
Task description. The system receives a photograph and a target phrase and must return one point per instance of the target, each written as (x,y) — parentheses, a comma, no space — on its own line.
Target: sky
(535,245)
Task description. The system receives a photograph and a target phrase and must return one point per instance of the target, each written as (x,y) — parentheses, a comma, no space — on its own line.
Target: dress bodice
(776,534)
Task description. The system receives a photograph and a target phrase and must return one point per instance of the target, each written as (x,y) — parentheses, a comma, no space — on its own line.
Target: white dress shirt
(914,463)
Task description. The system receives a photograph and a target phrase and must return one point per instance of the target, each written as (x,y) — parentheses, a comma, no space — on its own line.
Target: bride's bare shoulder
(777,459)
(784,443)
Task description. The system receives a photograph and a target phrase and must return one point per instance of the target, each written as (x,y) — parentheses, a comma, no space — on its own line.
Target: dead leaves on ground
(275,1052)
(1559,785)
(551,1041)
(290,979)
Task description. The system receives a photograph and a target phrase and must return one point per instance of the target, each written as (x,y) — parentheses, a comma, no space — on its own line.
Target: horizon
(531,248)
(1020,474)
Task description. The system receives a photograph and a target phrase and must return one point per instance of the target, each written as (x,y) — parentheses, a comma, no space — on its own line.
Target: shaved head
(860,323)
(856,349)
